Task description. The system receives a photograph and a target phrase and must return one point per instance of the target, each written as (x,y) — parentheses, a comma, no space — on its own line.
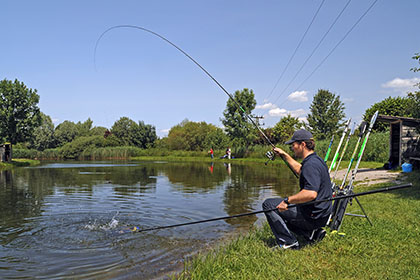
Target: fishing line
(296,49)
(196,63)
(192,59)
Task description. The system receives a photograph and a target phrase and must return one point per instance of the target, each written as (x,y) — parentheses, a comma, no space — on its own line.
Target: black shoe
(319,235)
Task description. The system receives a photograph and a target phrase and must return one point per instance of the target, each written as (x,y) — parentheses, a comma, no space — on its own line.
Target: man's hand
(279,151)
(282,206)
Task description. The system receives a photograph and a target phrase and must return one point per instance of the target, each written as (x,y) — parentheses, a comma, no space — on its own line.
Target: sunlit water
(76,219)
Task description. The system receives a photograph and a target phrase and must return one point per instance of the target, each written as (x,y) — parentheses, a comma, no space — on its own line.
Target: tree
(391,106)
(416,69)
(130,133)
(414,97)
(19,112)
(124,129)
(196,136)
(235,120)
(98,130)
(83,129)
(65,132)
(145,135)
(43,134)
(285,128)
(327,112)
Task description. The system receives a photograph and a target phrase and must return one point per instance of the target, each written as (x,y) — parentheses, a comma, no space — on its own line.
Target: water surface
(75,219)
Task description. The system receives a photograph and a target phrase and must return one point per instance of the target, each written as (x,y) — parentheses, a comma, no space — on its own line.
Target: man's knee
(269,203)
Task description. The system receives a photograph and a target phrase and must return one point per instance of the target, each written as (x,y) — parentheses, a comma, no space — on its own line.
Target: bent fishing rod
(269,210)
(201,67)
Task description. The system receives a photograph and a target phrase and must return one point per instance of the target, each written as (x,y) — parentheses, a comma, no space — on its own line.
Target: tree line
(22,123)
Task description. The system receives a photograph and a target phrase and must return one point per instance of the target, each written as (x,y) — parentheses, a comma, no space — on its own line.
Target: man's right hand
(279,151)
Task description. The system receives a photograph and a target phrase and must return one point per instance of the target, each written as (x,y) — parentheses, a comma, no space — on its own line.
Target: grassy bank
(18,163)
(390,249)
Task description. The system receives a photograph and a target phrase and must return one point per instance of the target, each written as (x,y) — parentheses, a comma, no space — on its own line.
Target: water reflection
(65,218)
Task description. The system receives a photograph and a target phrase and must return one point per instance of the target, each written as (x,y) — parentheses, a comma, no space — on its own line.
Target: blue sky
(49,46)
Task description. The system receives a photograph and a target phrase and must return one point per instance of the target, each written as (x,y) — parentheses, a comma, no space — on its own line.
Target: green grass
(18,163)
(390,249)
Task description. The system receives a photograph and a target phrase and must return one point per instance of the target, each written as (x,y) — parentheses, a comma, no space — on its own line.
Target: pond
(74,219)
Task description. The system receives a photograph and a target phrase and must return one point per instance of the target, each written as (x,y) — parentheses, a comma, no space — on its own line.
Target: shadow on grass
(414,191)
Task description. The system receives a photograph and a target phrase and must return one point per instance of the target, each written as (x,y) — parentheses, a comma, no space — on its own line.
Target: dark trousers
(284,223)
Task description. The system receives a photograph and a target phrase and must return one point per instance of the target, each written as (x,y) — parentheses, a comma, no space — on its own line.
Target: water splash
(108,226)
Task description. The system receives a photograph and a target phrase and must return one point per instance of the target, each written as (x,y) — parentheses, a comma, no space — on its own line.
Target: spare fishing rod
(337,152)
(344,149)
(397,187)
(201,67)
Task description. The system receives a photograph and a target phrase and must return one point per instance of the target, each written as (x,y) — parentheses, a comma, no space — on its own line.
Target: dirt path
(369,176)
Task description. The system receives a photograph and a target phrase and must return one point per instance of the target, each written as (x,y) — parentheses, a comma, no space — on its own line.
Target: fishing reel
(270,155)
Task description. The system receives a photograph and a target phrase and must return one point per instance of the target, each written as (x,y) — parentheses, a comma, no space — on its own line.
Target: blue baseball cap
(300,135)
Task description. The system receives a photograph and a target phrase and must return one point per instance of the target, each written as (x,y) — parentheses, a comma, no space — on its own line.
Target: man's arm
(296,166)
(301,197)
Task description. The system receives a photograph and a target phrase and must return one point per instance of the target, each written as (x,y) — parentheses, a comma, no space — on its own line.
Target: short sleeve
(311,178)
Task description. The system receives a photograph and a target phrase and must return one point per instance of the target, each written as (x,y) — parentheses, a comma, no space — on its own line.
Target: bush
(75,148)
(25,153)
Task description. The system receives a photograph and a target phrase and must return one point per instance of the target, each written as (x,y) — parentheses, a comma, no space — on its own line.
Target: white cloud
(164,132)
(55,121)
(277,112)
(266,106)
(298,96)
(401,85)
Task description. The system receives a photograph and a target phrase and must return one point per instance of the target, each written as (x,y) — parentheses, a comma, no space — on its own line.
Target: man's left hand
(282,206)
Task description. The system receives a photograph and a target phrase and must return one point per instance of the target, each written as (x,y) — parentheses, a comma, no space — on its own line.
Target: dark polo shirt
(314,176)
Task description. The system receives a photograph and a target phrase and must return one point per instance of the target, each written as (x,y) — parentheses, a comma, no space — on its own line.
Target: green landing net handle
(329,149)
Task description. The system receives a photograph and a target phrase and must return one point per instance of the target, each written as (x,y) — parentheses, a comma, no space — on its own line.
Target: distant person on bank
(314,183)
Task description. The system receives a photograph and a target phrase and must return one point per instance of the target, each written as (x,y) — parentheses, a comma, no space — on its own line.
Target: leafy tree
(83,129)
(123,129)
(414,97)
(416,69)
(98,130)
(235,120)
(261,139)
(196,136)
(65,132)
(44,134)
(146,134)
(391,106)
(285,128)
(130,133)
(19,112)
(327,112)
